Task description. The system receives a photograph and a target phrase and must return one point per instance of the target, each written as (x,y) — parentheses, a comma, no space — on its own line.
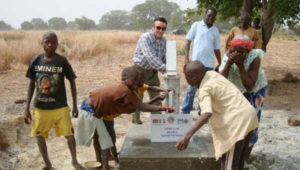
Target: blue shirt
(204,41)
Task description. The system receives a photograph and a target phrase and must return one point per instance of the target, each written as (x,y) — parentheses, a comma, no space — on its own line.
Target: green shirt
(234,73)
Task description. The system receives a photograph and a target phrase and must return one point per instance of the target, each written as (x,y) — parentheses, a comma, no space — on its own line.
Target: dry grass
(286,35)
(18,48)
(99,56)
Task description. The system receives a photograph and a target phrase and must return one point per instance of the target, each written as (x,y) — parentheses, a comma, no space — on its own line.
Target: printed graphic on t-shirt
(49,77)
(47,86)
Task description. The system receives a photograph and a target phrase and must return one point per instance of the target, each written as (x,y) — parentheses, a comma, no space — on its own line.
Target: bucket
(92,165)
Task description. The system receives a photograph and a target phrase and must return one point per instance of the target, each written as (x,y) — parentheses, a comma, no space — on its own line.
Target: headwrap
(244,43)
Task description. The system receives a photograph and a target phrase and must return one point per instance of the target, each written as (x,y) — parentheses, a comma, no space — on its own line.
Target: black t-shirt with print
(49,78)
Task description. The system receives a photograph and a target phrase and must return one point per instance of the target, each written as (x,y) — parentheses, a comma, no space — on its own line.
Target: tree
(176,21)
(39,24)
(57,23)
(26,25)
(72,25)
(85,23)
(116,19)
(142,15)
(5,26)
(270,12)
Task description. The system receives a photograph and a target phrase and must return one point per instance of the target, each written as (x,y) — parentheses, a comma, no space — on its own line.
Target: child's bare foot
(77,166)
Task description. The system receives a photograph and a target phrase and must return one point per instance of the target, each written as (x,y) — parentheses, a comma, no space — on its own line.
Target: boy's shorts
(44,119)
(87,124)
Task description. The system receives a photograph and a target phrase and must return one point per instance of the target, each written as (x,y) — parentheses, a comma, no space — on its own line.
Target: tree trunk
(248,6)
(267,24)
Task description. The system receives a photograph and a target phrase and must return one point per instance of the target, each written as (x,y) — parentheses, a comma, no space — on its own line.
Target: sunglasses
(161,28)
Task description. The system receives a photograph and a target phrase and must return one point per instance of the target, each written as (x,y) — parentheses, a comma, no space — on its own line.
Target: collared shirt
(250,32)
(204,40)
(232,118)
(150,53)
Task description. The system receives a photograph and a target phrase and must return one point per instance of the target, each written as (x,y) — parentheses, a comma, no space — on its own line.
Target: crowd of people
(231,94)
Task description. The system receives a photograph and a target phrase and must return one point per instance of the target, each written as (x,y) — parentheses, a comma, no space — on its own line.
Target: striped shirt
(150,53)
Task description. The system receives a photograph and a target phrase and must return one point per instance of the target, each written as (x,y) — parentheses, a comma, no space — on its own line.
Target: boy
(110,102)
(140,91)
(230,116)
(46,71)
(109,120)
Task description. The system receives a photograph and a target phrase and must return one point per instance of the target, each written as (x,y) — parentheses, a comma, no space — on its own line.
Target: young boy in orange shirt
(140,92)
(110,101)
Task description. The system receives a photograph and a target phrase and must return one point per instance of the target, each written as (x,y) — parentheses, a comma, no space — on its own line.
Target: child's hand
(27,117)
(182,143)
(163,96)
(75,112)
(170,89)
(240,59)
(171,109)
(166,108)
(233,57)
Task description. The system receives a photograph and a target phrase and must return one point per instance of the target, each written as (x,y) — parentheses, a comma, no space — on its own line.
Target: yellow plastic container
(92,165)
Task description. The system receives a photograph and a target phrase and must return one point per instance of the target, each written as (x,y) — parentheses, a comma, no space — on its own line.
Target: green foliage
(139,18)
(226,9)
(85,23)
(39,24)
(192,15)
(57,23)
(26,25)
(272,12)
(116,19)
(225,26)
(143,14)
(287,10)
(5,26)
(176,21)
(72,25)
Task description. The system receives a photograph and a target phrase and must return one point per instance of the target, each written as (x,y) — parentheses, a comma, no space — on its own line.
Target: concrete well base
(138,153)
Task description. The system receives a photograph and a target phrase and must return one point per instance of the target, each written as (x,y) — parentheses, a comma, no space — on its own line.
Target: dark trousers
(151,79)
(235,157)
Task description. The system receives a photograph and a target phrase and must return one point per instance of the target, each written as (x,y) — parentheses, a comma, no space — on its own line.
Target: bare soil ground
(278,144)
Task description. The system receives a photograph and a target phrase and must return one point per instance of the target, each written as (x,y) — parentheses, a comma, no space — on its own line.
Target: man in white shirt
(205,40)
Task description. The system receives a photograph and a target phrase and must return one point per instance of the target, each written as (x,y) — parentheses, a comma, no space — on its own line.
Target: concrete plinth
(138,153)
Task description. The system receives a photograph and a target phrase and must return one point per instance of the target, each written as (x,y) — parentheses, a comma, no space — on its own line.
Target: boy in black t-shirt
(46,72)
